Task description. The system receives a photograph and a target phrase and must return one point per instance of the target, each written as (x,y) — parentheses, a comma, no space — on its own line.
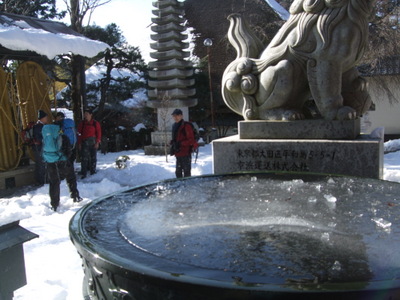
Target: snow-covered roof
(44,37)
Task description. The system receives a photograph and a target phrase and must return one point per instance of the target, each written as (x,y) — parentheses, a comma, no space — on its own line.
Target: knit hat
(88,110)
(177,112)
(41,114)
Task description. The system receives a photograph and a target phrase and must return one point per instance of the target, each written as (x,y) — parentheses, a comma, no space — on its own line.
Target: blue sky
(134,19)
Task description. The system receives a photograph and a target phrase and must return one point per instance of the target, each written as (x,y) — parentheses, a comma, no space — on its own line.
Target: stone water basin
(243,236)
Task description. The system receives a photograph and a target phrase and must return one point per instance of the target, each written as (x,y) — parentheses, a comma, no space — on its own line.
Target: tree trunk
(78,87)
(78,80)
(105,84)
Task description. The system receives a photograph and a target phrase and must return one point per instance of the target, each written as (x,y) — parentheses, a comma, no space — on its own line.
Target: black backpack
(66,146)
(196,135)
(27,134)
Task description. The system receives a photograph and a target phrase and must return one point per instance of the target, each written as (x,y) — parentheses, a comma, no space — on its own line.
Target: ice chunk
(336,266)
(330,198)
(332,224)
(312,199)
(330,180)
(381,222)
(325,236)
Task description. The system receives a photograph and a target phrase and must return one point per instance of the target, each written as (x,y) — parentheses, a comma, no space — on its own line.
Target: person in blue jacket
(69,129)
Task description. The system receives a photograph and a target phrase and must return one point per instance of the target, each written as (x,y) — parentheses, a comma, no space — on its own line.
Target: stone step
(17,178)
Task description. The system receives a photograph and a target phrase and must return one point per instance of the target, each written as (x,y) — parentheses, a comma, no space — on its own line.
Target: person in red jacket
(89,137)
(181,144)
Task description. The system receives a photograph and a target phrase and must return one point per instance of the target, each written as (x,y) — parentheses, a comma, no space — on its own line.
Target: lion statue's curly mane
(313,56)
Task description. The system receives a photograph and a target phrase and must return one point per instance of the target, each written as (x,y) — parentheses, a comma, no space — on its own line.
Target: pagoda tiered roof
(171,75)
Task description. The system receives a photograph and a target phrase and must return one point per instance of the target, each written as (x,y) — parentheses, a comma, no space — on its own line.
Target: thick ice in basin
(314,231)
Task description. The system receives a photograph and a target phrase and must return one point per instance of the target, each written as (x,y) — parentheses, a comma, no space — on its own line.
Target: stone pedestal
(317,146)
(361,157)
(16,178)
(158,140)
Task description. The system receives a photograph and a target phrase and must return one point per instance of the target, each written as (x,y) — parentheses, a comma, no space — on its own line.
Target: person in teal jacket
(58,166)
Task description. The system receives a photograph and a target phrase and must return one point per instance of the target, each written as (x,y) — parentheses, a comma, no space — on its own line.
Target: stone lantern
(12,263)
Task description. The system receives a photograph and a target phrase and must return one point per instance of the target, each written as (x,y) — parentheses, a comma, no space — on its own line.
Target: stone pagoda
(171,82)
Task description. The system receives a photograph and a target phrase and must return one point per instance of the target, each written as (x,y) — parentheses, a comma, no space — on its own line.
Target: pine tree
(120,55)
(42,9)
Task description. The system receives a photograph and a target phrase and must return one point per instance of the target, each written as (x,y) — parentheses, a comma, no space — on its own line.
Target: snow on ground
(53,266)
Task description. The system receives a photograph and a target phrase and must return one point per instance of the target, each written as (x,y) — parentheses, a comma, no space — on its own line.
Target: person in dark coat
(181,144)
(89,138)
(40,166)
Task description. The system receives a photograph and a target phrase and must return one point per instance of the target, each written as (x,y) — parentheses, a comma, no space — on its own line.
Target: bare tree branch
(83,8)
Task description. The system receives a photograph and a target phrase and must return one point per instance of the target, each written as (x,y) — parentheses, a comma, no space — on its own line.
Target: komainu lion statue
(313,56)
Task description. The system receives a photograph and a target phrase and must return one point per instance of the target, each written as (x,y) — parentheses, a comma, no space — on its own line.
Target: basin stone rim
(100,256)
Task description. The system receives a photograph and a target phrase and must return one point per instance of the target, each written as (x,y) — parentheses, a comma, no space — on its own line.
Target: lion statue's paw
(282,115)
(292,115)
(346,113)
